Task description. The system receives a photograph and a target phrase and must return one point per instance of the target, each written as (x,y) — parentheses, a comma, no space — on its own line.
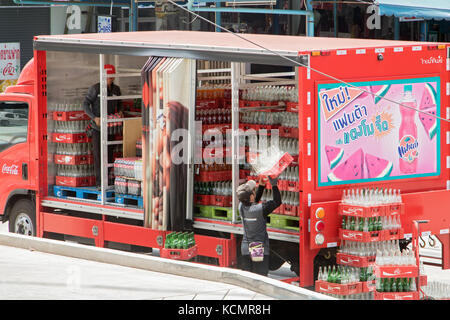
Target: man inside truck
(91,106)
(255,241)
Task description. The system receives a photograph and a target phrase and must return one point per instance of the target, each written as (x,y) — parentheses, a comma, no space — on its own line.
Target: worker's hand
(97,121)
(262,180)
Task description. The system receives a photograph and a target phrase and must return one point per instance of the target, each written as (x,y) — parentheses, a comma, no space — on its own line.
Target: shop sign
(9,61)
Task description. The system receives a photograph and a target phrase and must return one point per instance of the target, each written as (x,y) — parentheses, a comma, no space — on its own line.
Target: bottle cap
(407,88)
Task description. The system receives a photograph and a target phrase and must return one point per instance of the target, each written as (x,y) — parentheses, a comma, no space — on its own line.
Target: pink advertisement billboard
(393,135)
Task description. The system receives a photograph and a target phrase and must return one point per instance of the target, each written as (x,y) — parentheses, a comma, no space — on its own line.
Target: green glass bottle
(387,285)
(352,224)
(180,240)
(167,244)
(399,285)
(394,285)
(343,222)
(185,240)
(407,285)
(175,240)
(370,224)
(338,276)
(379,224)
(379,285)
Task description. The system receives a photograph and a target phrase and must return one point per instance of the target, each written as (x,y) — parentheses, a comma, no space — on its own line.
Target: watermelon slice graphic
(380,92)
(334,155)
(350,169)
(428,105)
(377,167)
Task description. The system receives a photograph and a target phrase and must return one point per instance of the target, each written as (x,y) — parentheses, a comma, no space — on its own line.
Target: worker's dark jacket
(254,217)
(91,104)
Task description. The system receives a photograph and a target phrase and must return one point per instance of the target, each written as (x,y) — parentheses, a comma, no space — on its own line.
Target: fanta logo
(407,148)
(13,169)
(432,60)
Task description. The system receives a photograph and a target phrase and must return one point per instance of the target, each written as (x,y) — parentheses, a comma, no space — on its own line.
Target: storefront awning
(427,9)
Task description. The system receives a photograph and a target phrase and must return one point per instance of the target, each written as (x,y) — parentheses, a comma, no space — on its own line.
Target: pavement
(30,274)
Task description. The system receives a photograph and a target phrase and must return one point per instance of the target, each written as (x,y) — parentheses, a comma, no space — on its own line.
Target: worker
(91,106)
(255,241)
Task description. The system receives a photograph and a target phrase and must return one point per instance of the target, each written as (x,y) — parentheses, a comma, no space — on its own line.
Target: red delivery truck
(365,121)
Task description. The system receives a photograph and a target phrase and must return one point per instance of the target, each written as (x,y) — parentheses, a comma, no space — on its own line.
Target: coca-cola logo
(12,169)
(9,70)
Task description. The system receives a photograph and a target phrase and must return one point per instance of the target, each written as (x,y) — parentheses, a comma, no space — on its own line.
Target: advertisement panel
(9,64)
(365,138)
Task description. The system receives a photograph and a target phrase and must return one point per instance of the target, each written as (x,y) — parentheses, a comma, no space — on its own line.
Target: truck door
(14,147)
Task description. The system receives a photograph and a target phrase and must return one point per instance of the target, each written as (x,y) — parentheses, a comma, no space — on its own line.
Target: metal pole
(309,20)
(396,29)
(191,145)
(218,17)
(235,81)
(133,16)
(103,128)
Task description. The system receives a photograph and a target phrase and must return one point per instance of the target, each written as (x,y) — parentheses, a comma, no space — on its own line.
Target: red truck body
(24,164)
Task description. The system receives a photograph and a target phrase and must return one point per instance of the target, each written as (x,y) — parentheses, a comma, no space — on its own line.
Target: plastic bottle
(408,127)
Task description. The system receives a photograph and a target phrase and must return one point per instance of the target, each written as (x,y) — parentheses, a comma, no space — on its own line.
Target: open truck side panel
(354,61)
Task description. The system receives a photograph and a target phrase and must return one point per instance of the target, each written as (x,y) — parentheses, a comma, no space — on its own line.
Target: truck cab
(17,154)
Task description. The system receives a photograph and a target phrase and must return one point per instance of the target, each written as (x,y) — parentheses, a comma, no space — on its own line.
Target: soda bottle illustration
(408,144)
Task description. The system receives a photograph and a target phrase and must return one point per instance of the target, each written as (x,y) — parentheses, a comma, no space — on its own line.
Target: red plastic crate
(258,127)
(289,210)
(354,261)
(208,176)
(336,288)
(368,286)
(203,199)
(278,168)
(423,280)
(222,201)
(70,137)
(251,103)
(222,127)
(414,295)
(397,271)
(393,234)
(395,209)
(291,106)
(360,236)
(74,181)
(73,159)
(244,174)
(70,115)
(287,132)
(178,254)
(360,211)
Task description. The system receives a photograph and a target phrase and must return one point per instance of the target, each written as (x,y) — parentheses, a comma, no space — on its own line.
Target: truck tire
(22,219)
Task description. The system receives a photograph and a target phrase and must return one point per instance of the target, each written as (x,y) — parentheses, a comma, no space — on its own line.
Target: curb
(270,287)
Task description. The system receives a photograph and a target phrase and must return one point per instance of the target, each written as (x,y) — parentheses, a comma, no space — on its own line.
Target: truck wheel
(22,219)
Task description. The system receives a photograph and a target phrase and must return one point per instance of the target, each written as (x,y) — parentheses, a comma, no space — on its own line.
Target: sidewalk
(34,275)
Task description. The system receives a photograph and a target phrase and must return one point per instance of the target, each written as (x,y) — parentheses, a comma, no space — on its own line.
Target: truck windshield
(13,123)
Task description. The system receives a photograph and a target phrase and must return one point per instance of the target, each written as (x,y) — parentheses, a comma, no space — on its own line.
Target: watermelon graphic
(350,169)
(334,155)
(377,167)
(428,105)
(380,91)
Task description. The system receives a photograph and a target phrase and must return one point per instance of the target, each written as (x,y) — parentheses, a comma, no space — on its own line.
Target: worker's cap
(110,69)
(244,191)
